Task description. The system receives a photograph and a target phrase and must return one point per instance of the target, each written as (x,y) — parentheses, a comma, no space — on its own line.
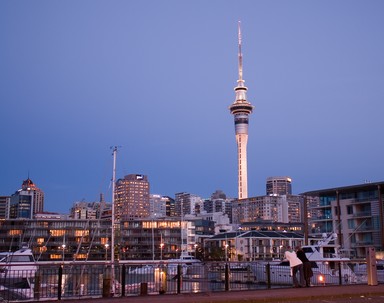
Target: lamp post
(161,246)
(226,252)
(161,251)
(63,247)
(106,251)
(195,251)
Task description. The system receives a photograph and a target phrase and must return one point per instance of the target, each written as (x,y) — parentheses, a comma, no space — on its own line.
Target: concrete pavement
(251,296)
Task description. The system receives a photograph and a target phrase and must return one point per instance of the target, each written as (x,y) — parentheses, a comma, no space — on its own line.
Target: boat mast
(113,221)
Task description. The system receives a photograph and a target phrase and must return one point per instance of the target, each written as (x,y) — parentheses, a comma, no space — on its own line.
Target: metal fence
(84,280)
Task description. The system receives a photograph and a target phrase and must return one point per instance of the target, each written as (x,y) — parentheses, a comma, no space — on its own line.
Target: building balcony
(362,243)
(362,201)
(362,214)
(322,218)
(364,229)
(328,206)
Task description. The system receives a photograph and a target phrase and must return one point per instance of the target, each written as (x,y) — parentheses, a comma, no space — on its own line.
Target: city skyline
(157,78)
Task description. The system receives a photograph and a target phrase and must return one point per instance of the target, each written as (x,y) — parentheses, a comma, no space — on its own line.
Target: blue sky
(157,77)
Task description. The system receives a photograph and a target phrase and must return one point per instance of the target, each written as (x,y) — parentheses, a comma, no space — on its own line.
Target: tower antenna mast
(240,54)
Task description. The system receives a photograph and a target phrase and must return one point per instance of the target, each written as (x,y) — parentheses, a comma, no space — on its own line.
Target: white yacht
(17,273)
(18,264)
(185,258)
(327,265)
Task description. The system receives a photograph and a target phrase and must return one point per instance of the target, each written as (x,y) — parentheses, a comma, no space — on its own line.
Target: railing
(85,280)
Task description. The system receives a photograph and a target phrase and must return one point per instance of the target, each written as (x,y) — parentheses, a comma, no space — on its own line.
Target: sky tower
(241,109)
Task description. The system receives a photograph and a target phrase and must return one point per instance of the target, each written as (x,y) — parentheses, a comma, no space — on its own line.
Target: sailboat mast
(113,205)
(113,220)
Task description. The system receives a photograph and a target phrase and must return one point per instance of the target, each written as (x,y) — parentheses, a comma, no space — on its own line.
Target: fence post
(60,283)
(107,283)
(226,277)
(123,268)
(268,270)
(179,279)
(36,288)
(340,277)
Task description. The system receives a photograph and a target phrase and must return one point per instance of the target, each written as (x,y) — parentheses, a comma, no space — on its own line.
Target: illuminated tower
(241,108)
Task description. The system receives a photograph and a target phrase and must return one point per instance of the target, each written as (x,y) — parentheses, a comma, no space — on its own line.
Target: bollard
(371,266)
(107,283)
(60,283)
(226,277)
(106,287)
(123,280)
(143,288)
(179,279)
(268,270)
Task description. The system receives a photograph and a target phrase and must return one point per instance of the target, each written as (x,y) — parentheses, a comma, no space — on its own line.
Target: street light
(106,251)
(226,252)
(161,246)
(195,251)
(63,247)
(161,249)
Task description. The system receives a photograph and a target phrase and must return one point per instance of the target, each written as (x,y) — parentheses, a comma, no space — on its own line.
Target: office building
(27,201)
(158,205)
(218,203)
(284,209)
(4,207)
(188,204)
(241,109)
(90,210)
(279,186)
(132,197)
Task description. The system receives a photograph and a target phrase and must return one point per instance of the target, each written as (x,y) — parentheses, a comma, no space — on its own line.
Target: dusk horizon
(157,80)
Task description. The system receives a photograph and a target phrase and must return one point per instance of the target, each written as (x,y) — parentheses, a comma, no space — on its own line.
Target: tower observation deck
(241,109)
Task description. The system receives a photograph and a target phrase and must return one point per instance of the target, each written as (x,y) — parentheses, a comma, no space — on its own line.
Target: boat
(185,258)
(142,270)
(18,264)
(17,274)
(328,266)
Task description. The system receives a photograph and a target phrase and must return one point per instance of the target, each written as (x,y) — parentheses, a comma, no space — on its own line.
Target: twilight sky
(157,77)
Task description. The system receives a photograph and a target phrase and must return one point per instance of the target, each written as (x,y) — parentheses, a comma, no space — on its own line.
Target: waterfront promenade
(312,294)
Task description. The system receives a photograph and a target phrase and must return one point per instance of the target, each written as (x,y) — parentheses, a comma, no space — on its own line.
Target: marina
(45,281)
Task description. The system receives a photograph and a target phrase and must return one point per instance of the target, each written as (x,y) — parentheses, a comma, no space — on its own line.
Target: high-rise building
(4,207)
(188,204)
(27,201)
(241,109)
(90,210)
(277,208)
(279,186)
(132,197)
(158,205)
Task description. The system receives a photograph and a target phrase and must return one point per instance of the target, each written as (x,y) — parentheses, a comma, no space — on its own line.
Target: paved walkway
(252,296)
